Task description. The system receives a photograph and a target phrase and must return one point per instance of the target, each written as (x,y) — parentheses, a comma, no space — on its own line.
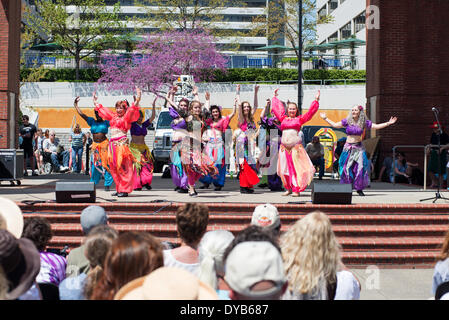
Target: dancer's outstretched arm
(256,100)
(75,104)
(385,124)
(104,113)
(312,110)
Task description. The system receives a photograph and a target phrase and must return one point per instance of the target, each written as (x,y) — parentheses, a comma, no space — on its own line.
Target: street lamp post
(300,56)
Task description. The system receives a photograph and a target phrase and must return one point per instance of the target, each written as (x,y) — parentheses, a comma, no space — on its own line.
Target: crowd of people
(259,262)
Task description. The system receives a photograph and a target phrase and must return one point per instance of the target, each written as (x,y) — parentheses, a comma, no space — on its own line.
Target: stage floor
(42,189)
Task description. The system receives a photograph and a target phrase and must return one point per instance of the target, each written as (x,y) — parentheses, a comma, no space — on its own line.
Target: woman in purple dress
(354,165)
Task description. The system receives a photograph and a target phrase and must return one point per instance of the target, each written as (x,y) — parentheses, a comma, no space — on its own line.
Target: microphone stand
(440,132)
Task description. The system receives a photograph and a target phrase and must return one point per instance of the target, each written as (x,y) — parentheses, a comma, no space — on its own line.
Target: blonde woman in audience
(313,264)
(211,252)
(441,270)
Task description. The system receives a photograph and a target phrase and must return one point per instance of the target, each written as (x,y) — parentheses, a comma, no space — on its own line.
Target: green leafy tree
(81,27)
(282,18)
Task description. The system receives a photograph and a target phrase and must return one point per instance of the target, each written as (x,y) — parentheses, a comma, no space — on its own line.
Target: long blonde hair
(362,118)
(311,253)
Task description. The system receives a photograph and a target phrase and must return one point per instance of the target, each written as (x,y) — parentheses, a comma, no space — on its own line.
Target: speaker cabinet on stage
(75,191)
(331,192)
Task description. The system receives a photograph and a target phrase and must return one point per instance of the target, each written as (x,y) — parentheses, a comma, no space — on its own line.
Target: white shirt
(170,261)
(348,287)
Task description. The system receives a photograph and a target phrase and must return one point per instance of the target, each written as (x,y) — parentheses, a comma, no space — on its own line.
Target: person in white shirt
(52,147)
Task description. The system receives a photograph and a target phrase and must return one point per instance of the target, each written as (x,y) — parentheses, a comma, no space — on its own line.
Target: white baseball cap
(266,215)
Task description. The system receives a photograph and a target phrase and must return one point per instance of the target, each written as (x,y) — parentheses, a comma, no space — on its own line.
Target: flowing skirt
(143,167)
(99,163)
(295,168)
(216,152)
(121,164)
(354,166)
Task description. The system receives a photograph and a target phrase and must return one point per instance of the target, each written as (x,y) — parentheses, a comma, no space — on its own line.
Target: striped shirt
(52,268)
(77,140)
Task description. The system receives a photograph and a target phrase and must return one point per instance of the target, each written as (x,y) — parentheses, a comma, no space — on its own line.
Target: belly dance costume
(143,169)
(195,162)
(120,158)
(269,157)
(354,166)
(215,149)
(99,158)
(244,155)
(294,165)
(179,177)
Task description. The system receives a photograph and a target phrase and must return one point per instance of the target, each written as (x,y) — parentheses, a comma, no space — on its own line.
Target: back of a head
(92,216)
(38,230)
(311,252)
(267,216)
(211,252)
(191,222)
(254,270)
(98,244)
(132,255)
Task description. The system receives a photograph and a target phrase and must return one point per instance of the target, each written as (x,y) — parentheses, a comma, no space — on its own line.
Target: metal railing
(425,148)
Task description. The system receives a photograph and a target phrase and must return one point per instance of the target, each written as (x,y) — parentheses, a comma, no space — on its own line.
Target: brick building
(10,14)
(408,70)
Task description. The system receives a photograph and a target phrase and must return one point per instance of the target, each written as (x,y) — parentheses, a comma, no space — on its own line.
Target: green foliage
(231,75)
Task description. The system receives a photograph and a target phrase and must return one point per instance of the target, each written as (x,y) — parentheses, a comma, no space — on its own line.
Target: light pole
(300,56)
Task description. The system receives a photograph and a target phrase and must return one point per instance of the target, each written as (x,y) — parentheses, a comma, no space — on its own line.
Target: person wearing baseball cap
(267,216)
(254,270)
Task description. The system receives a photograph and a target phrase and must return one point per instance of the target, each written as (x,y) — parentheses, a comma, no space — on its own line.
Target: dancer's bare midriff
(353,139)
(290,138)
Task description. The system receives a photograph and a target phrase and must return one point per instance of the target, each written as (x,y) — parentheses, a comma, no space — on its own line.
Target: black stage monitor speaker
(75,191)
(331,192)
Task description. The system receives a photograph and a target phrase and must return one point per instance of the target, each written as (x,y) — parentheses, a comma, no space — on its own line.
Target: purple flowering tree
(159,58)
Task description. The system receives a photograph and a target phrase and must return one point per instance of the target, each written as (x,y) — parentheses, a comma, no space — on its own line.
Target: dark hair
(38,230)
(252,233)
(191,222)
(97,115)
(132,255)
(25,117)
(218,108)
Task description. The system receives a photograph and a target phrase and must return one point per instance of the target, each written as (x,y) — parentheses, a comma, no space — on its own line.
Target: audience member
(315,150)
(436,155)
(384,174)
(441,269)
(38,150)
(403,171)
(78,140)
(11,217)
(56,154)
(254,271)
(53,266)
(191,223)
(19,263)
(267,216)
(77,262)
(28,133)
(312,262)
(211,252)
(97,246)
(338,150)
(132,255)
(167,283)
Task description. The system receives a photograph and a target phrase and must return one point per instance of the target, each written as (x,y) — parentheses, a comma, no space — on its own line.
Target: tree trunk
(77,65)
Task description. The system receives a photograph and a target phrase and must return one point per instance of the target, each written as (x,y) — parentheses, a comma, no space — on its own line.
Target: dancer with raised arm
(143,168)
(245,143)
(215,147)
(294,165)
(179,126)
(354,165)
(99,158)
(120,158)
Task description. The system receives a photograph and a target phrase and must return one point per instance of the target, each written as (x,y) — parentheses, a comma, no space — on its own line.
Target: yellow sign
(329,139)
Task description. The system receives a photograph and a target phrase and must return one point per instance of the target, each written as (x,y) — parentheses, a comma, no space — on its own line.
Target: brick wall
(10,17)
(408,70)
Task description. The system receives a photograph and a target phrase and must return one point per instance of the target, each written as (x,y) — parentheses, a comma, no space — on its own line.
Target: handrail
(425,158)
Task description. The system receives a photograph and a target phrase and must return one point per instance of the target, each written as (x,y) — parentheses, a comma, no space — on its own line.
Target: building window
(322,12)
(359,22)
(333,37)
(346,31)
(333,4)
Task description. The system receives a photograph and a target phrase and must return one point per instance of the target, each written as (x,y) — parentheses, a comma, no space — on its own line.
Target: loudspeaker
(11,163)
(75,191)
(331,192)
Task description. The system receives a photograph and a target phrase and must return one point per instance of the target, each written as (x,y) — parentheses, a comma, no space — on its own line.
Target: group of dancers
(199,145)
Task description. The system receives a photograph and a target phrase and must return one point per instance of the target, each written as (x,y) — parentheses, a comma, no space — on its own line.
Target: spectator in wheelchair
(54,152)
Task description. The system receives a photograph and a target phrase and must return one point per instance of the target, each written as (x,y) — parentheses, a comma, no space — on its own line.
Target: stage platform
(42,189)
